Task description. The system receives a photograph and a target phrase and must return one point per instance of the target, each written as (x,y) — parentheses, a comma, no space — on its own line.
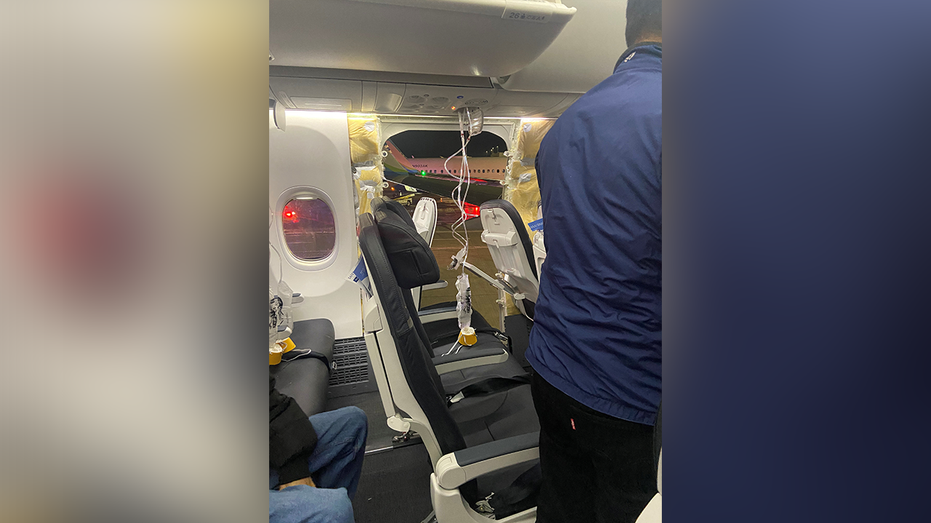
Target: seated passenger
(314,463)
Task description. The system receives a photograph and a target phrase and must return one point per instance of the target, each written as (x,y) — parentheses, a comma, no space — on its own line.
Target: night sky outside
(441,144)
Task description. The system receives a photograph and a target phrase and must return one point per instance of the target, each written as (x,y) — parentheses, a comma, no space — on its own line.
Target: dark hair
(644,19)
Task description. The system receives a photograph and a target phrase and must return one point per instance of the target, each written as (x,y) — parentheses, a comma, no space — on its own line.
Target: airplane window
(309,228)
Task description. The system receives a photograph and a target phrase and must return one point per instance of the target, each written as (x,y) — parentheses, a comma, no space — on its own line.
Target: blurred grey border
(133,164)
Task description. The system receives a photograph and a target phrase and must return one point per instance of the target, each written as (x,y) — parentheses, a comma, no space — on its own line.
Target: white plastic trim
(371,317)
(381,380)
(450,475)
(442,284)
(399,424)
(653,512)
(501,240)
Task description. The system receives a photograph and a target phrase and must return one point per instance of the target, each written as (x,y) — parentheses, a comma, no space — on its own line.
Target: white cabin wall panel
(582,55)
(313,153)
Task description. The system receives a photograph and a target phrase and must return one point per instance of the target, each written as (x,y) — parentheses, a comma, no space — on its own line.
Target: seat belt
(306,353)
(488,386)
(452,337)
(497,334)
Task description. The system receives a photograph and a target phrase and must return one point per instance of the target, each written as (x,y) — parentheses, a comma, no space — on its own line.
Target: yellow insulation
(365,151)
(530,135)
(363,140)
(525,195)
(368,186)
(521,188)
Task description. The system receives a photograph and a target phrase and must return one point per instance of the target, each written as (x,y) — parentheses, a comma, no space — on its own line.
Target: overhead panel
(448,37)
(318,94)
(440,100)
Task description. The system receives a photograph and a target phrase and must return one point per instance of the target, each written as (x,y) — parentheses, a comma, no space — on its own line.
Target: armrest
(494,282)
(469,358)
(442,284)
(481,274)
(454,469)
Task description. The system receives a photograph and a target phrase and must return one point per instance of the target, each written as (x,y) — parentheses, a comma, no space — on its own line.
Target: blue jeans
(335,466)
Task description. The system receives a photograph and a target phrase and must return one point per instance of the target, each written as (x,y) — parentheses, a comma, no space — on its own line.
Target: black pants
(596,468)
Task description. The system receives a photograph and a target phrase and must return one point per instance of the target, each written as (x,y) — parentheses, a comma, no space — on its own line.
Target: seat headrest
(411,259)
(394,207)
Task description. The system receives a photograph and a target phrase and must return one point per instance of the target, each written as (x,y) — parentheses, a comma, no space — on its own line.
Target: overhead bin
(448,37)
(583,55)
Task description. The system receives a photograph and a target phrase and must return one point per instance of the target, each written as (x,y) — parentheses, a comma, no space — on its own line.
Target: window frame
(305,192)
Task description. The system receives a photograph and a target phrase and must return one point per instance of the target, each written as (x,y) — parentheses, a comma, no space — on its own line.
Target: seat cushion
(306,379)
(455,381)
(504,414)
(317,335)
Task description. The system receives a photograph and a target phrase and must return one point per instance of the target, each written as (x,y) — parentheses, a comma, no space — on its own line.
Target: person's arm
(291,438)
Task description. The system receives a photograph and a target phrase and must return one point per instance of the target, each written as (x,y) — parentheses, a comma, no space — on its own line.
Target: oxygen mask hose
(464,311)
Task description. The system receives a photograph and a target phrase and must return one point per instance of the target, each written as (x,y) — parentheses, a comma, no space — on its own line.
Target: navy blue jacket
(597,332)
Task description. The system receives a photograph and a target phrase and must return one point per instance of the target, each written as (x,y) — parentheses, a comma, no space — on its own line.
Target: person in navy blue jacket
(596,344)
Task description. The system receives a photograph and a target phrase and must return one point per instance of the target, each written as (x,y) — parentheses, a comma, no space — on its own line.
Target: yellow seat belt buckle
(280,347)
(468,337)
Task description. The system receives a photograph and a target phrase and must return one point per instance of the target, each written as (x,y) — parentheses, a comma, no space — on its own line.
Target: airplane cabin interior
(407,289)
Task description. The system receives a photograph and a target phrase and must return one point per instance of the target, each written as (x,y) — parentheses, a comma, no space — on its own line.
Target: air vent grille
(350,362)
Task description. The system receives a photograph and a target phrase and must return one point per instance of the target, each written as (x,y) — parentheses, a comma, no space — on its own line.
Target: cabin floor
(395,483)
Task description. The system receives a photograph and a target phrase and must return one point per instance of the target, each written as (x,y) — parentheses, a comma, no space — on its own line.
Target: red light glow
(471,210)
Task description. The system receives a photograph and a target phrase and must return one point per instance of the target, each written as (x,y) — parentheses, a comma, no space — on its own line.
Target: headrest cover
(411,259)
(398,209)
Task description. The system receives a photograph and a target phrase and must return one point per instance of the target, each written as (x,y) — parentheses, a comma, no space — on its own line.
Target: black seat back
(386,205)
(401,229)
(409,253)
